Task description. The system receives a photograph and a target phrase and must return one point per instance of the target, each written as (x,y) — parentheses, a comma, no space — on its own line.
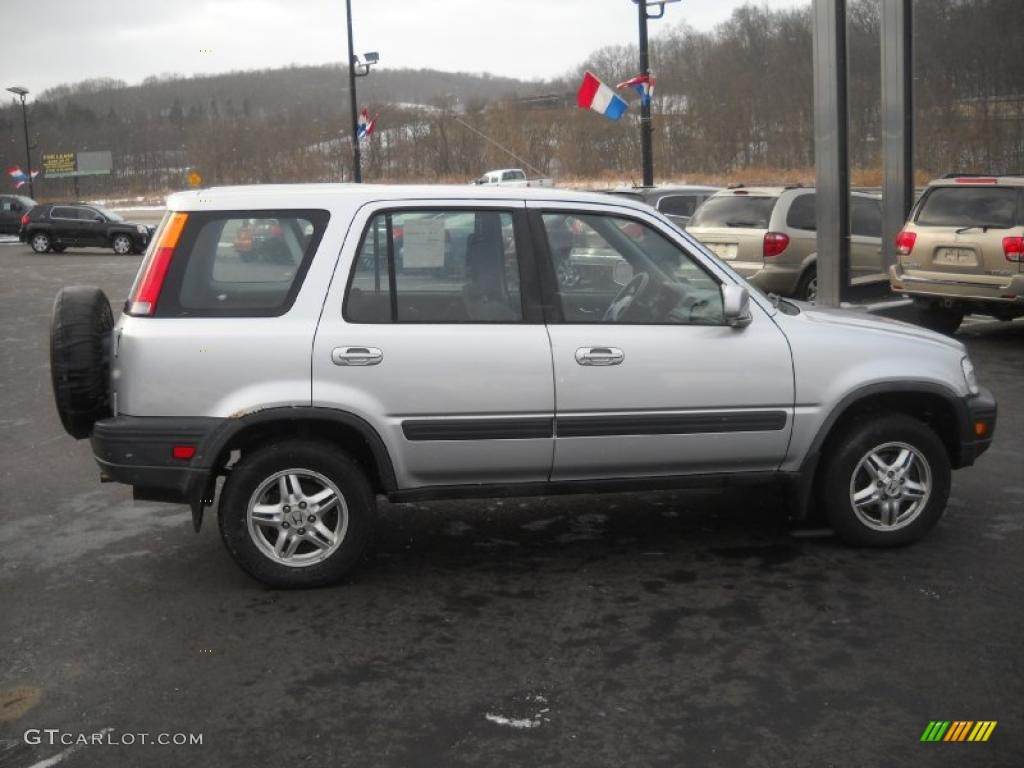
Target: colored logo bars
(959,730)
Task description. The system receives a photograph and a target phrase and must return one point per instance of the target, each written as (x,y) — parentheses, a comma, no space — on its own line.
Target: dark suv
(57,226)
(12,208)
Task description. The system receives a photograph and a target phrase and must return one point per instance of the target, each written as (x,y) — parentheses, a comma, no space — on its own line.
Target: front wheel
(297,514)
(122,245)
(40,242)
(885,481)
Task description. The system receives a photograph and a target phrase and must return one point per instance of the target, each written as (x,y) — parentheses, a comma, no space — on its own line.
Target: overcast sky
(71,40)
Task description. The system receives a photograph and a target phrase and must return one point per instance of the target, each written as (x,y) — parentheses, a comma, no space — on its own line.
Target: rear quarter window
(994,207)
(241,263)
(735,211)
(802,213)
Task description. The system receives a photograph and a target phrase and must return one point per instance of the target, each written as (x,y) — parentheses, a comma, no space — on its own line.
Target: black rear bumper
(138,451)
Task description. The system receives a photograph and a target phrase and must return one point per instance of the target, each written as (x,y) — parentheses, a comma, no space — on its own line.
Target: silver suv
(769,235)
(422,343)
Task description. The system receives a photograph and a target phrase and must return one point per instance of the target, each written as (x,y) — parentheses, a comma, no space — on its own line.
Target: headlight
(142,229)
(969,377)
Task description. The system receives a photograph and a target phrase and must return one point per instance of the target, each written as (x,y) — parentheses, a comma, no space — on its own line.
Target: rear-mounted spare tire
(80,357)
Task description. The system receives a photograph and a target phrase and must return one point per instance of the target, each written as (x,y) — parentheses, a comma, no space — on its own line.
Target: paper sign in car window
(423,244)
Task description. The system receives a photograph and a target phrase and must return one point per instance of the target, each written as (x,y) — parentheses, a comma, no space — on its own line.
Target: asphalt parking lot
(657,629)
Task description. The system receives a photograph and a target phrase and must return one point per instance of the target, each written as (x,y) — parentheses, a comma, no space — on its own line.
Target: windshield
(735,212)
(109,215)
(994,207)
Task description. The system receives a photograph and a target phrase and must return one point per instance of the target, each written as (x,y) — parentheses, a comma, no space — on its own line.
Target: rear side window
(865,217)
(678,205)
(436,266)
(735,212)
(992,207)
(63,213)
(241,263)
(802,213)
(513,176)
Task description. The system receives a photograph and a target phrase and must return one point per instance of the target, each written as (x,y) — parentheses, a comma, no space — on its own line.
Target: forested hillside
(736,101)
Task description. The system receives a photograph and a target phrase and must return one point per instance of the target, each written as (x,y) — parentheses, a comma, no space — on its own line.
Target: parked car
(317,387)
(677,202)
(12,208)
(59,226)
(511,177)
(769,234)
(962,250)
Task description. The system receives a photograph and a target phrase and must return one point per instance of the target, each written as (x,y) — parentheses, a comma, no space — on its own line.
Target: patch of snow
(514,722)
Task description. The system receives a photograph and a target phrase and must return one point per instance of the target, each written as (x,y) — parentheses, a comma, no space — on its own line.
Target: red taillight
(775,243)
(905,242)
(183,451)
(1013,248)
(24,220)
(154,268)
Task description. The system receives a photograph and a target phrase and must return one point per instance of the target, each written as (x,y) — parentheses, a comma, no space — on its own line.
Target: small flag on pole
(642,84)
(595,95)
(365,126)
(19,177)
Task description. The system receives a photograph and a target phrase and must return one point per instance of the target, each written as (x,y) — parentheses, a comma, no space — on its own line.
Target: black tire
(807,288)
(840,475)
(80,357)
(40,242)
(122,244)
(303,455)
(940,319)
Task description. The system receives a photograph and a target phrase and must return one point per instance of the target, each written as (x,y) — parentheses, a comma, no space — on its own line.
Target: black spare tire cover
(80,357)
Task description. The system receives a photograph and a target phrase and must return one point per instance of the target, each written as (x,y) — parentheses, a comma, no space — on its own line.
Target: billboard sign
(59,165)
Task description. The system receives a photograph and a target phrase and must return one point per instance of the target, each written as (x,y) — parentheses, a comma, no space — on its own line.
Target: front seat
(485,294)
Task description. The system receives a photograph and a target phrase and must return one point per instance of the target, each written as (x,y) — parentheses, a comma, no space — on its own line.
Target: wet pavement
(639,630)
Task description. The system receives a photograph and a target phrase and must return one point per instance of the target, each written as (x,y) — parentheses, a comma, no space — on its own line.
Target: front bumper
(977,426)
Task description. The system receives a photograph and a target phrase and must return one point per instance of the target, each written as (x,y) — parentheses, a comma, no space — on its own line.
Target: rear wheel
(939,318)
(297,514)
(40,242)
(885,481)
(807,288)
(122,245)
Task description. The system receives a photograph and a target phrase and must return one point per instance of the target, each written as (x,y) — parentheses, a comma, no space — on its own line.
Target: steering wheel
(624,298)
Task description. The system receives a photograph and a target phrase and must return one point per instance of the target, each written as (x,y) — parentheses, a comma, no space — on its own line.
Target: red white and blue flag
(365,126)
(595,95)
(19,177)
(642,84)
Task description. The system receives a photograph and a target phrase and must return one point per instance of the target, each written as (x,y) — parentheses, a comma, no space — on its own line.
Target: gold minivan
(961,251)
(769,235)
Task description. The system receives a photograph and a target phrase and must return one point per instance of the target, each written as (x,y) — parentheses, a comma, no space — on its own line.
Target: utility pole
(646,129)
(357,171)
(22,93)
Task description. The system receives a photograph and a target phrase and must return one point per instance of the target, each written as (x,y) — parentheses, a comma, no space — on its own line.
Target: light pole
(356,69)
(23,92)
(646,129)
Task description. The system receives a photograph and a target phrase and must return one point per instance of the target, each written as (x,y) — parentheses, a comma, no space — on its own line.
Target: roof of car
(668,189)
(313,195)
(741,191)
(972,180)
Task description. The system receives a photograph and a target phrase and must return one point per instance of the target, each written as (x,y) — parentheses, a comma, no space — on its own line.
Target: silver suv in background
(768,235)
(422,343)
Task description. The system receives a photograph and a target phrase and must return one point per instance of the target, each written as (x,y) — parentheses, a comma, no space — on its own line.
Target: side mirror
(99,219)
(736,306)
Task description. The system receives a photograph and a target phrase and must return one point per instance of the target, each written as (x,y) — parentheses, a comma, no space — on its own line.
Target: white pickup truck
(511,177)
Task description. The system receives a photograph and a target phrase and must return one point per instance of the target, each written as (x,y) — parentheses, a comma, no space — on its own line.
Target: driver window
(616,270)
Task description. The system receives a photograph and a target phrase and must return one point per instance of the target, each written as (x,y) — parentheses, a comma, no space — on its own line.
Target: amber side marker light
(143,300)
(980,428)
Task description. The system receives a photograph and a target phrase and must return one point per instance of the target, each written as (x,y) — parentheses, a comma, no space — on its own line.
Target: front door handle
(356,356)
(599,356)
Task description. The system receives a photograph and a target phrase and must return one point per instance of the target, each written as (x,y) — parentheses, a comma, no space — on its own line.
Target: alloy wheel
(890,487)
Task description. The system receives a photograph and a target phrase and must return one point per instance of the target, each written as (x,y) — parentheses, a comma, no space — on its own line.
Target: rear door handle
(356,356)
(599,356)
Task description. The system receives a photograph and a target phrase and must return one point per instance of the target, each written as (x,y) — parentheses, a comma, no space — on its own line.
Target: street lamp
(23,92)
(356,68)
(644,8)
